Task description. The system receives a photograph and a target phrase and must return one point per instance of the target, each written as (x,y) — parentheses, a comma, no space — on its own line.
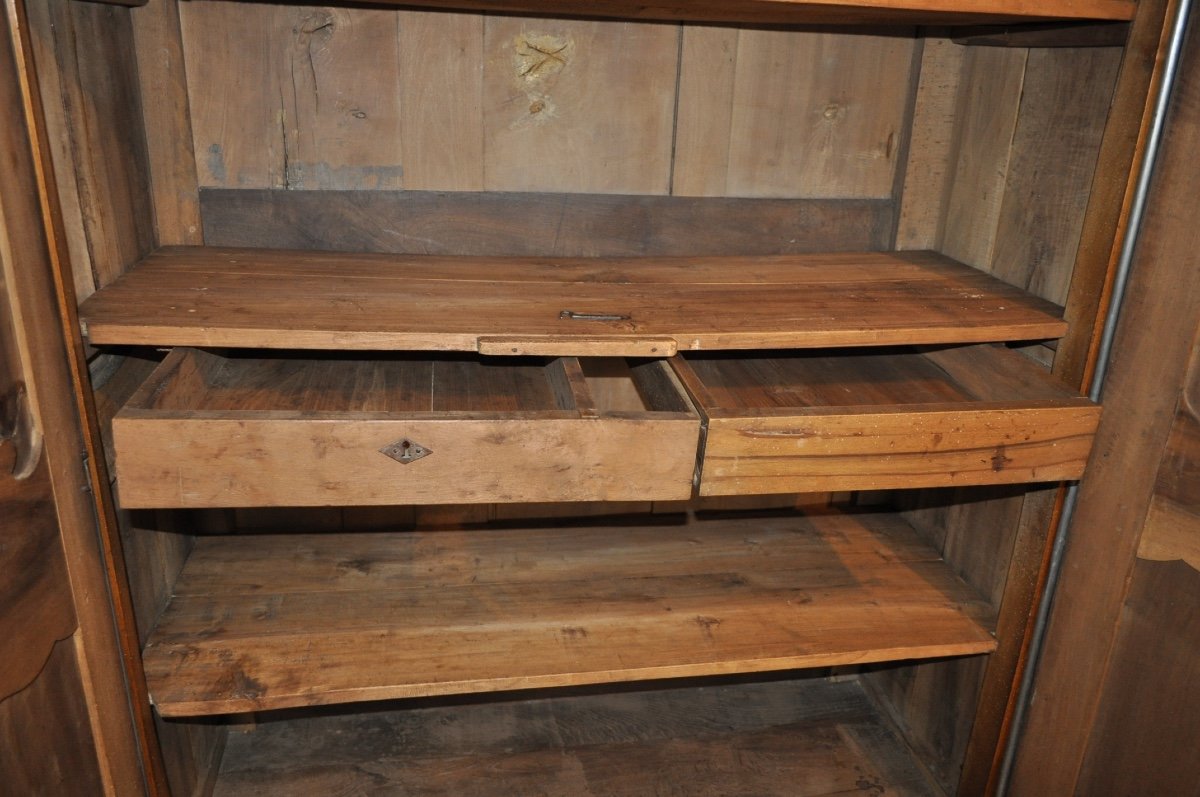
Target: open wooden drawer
(238,429)
(861,419)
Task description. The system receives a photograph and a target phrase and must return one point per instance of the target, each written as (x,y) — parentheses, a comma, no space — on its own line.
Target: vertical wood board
(579,106)
(441,67)
(989,99)
(1064,104)
(819,114)
(926,175)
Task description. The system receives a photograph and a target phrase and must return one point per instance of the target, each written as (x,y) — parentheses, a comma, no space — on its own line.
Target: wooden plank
(1055,34)
(260,298)
(1150,704)
(829,422)
(808,11)
(50,717)
(990,98)
(1064,103)
(95,70)
(578,106)
(1121,151)
(799,738)
(1154,344)
(341,113)
(901,449)
(561,225)
(441,100)
(167,120)
(926,185)
(704,110)
(38,611)
(238,124)
(817,114)
(459,633)
(33,255)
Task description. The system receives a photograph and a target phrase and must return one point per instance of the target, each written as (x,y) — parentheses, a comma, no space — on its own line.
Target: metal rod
(1095,391)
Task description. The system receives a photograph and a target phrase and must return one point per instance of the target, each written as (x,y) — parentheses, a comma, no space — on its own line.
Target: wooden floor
(793,738)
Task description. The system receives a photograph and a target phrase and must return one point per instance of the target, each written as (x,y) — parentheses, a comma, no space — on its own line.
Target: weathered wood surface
(276,299)
(167,123)
(536,224)
(789,738)
(99,146)
(776,113)
(1150,708)
(793,738)
(809,11)
(210,431)
(272,622)
(1154,346)
(885,420)
(49,747)
(35,275)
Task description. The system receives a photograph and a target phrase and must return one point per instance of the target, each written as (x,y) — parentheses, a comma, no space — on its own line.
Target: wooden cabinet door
(66,717)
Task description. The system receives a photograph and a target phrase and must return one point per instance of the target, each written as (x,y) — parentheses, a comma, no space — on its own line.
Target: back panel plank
(533,224)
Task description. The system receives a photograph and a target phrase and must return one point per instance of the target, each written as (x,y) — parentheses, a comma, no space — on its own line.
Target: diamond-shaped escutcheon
(405,451)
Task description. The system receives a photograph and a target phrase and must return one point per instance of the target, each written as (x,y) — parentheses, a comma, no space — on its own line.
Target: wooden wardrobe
(578,398)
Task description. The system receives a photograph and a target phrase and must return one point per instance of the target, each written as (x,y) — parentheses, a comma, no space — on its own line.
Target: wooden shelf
(928,12)
(256,298)
(273,622)
(777,738)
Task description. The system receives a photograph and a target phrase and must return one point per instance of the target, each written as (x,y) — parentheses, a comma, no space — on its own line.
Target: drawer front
(171,462)
(893,450)
(240,430)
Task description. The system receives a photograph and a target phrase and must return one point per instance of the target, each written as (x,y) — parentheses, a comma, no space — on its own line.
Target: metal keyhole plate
(405,451)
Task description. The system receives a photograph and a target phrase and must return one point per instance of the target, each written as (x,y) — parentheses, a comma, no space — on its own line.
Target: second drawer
(238,429)
(873,419)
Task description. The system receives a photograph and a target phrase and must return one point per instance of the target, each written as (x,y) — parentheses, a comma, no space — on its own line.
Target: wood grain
(809,11)
(828,117)
(792,738)
(538,224)
(704,110)
(50,717)
(606,606)
(208,431)
(578,106)
(1112,191)
(1154,344)
(441,100)
(167,121)
(926,187)
(989,102)
(37,276)
(244,297)
(101,142)
(1150,704)
(1065,100)
(868,421)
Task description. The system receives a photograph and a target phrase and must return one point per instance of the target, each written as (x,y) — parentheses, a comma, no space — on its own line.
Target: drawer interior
(387,382)
(870,419)
(877,377)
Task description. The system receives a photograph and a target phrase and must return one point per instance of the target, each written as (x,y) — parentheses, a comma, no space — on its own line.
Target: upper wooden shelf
(823,12)
(258,298)
(279,621)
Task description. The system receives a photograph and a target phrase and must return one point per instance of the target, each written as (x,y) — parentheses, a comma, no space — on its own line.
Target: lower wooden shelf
(271,622)
(778,738)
